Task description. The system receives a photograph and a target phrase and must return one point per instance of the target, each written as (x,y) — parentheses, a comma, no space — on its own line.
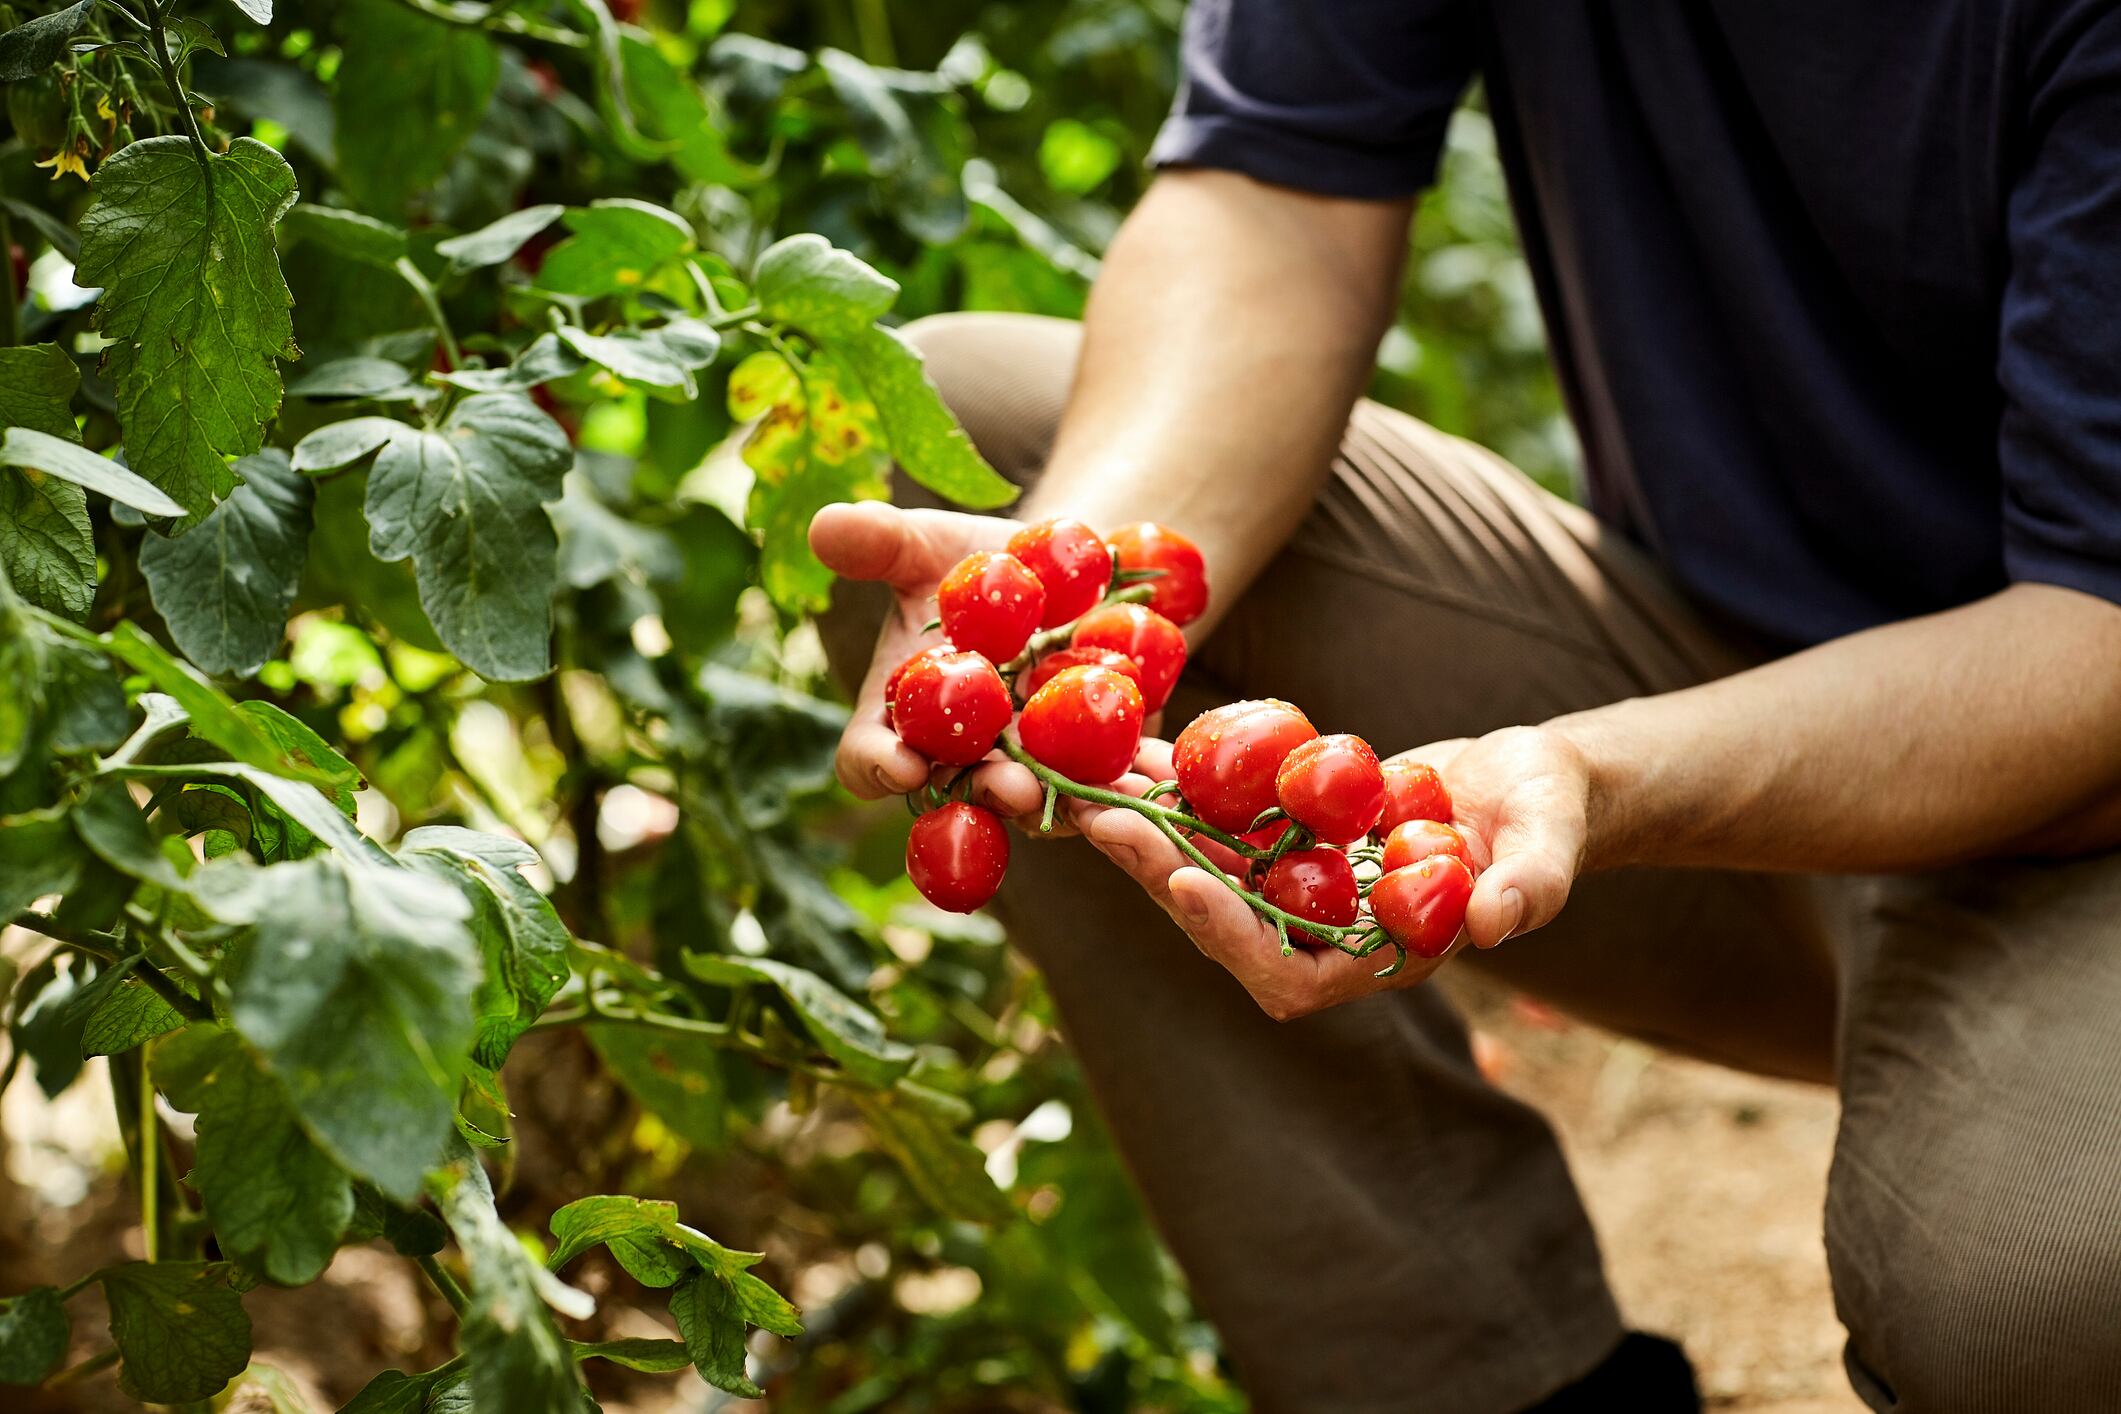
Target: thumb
(1536,850)
(908,550)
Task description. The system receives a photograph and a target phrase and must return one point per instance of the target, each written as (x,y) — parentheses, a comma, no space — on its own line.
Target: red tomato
(1040,673)
(1424,905)
(1314,884)
(1085,724)
(1414,840)
(950,706)
(1144,635)
(1333,786)
(956,856)
(1181,591)
(940,650)
(1227,757)
(990,604)
(1070,561)
(1413,791)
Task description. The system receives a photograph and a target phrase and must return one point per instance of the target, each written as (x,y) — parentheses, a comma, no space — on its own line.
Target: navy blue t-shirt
(1834,286)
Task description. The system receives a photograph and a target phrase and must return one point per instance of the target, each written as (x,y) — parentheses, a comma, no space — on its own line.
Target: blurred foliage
(672,774)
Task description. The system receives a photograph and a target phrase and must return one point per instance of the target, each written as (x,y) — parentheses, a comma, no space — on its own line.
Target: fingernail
(1512,912)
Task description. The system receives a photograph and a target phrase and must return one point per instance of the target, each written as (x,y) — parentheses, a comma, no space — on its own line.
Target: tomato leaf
(842,1029)
(649,1356)
(678,1079)
(130,1014)
(414,89)
(806,281)
(224,585)
(617,247)
(275,1199)
(661,360)
(30,449)
(259,10)
(348,234)
(354,986)
(193,303)
(39,855)
(544,359)
(918,1127)
(521,939)
(498,241)
(517,1357)
(467,504)
(213,716)
(925,437)
(180,1329)
(35,45)
(34,1332)
(45,544)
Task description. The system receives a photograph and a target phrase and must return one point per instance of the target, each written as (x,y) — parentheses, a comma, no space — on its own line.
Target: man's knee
(1974,1292)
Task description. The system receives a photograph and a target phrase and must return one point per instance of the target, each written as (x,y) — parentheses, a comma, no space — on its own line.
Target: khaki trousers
(1370,1224)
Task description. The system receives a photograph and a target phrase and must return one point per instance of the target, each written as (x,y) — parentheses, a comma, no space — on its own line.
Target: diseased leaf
(823,445)
(35,45)
(45,544)
(34,1331)
(347,233)
(354,986)
(275,1199)
(193,303)
(678,1079)
(180,1329)
(225,585)
(27,448)
(517,1357)
(806,281)
(925,436)
(414,89)
(521,939)
(494,243)
(618,245)
(918,1128)
(467,504)
(843,1030)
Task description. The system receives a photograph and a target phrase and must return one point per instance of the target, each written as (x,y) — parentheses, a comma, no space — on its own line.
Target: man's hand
(1520,795)
(910,551)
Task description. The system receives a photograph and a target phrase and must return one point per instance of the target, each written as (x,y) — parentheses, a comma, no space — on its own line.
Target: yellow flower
(103,108)
(65,160)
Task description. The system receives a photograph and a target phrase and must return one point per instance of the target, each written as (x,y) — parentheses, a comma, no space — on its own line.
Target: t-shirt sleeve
(1339,97)
(2059,340)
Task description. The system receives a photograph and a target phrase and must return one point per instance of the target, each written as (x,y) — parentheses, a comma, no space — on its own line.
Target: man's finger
(1010,789)
(1536,848)
(872,762)
(910,550)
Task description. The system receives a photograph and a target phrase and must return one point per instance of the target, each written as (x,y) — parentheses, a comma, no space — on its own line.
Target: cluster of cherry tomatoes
(1076,639)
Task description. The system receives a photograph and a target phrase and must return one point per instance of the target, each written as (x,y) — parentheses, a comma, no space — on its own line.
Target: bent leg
(1369,1223)
(1974,1206)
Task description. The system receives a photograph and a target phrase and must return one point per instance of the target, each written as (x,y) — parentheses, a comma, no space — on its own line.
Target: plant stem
(432,303)
(443,1282)
(104,948)
(171,77)
(74,1374)
(1097,795)
(10,317)
(150,1163)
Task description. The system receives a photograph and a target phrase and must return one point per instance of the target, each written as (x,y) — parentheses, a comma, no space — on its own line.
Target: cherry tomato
(1415,840)
(950,706)
(1413,791)
(1181,591)
(956,856)
(1070,561)
(1040,673)
(939,650)
(1314,884)
(1085,724)
(1424,904)
(1333,786)
(990,604)
(1227,757)
(1144,635)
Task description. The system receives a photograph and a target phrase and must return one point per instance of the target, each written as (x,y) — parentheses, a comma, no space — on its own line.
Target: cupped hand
(911,551)
(1520,795)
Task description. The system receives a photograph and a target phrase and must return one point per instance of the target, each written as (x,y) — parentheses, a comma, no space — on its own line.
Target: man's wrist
(1602,743)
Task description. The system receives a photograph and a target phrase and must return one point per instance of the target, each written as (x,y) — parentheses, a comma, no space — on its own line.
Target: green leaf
(699,609)
(678,1079)
(180,1329)
(824,445)
(130,1014)
(340,444)
(57,694)
(499,241)
(354,986)
(918,1128)
(259,10)
(925,437)
(193,303)
(661,360)
(361,376)
(806,281)
(521,939)
(225,585)
(598,544)
(843,1030)
(912,141)
(672,110)
(348,234)
(34,1332)
(46,547)
(395,1392)
(39,855)
(650,1357)
(275,1199)
(38,451)
(545,359)
(410,92)
(518,1360)
(712,1309)
(278,92)
(411,1232)
(35,45)
(213,715)
(467,504)
(617,247)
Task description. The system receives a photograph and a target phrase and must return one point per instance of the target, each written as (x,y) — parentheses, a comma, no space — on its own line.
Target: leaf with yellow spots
(618,246)
(806,458)
(180,1329)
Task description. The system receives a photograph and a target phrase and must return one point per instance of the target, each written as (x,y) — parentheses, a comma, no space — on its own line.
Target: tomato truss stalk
(1356,940)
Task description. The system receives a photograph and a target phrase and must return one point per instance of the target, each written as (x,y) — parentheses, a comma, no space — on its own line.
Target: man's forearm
(1991,728)
(1230,333)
